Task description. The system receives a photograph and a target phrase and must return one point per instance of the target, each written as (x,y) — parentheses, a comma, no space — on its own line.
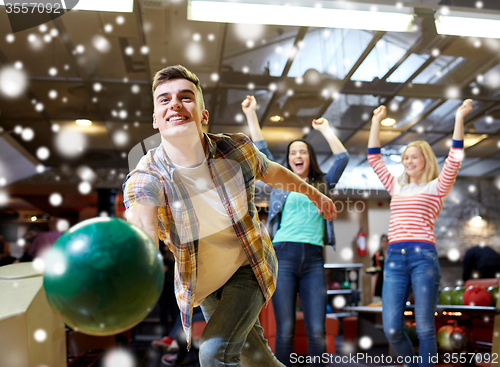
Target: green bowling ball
(445,296)
(345,285)
(443,336)
(103,276)
(493,291)
(457,296)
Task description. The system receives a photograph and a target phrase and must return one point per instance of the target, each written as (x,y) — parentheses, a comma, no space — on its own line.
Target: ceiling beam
(376,37)
(300,36)
(70,47)
(441,44)
(216,89)
(142,37)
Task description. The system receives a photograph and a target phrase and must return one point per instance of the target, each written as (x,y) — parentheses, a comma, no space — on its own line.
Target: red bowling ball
(476,296)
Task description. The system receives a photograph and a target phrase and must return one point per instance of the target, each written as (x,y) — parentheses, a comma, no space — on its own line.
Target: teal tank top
(300,221)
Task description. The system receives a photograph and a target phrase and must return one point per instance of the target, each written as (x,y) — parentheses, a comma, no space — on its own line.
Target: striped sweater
(415,208)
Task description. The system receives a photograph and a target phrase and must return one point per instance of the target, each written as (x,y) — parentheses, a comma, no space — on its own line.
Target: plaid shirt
(234,164)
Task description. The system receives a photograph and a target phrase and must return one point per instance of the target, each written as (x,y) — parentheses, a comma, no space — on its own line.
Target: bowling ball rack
(480,320)
(89,359)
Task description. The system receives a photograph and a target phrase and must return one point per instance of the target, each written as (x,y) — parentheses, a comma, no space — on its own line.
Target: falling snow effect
(101,44)
(84,187)
(194,53)
(346,254)
(119,358)
(42,153)
(35,42)
(70,142)
(120,138)
(86,173)
(38,264)
(365,342)
(239,117)
(40,335)
(339,302)
(55,199)
(62,225)
(13,82)
(4,198)
(27,134)
(453,254)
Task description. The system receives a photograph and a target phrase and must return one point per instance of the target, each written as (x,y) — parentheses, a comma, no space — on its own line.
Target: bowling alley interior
(76,117)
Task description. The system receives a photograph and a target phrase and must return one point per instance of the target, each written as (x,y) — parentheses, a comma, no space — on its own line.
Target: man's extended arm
(281,178)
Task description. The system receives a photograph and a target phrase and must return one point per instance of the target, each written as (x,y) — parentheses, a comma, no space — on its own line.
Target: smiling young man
(196,192)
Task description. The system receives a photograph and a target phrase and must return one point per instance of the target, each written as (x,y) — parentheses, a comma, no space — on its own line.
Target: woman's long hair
(430,168)
(316,176)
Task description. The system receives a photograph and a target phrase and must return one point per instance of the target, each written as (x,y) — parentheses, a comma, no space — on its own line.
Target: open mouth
(177,118)
(298,163)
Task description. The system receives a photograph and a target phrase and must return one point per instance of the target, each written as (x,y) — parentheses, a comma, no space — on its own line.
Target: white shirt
(220,253)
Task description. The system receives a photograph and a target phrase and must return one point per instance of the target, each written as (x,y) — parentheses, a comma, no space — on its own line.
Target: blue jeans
(417,268)
(300,271)
(233,330)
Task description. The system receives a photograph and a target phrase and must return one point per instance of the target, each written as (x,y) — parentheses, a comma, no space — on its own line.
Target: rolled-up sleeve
(142,188)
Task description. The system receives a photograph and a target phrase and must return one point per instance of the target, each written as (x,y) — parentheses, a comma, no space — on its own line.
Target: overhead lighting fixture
(336,14)
(468,24)
(388,122)
(472,139)
(121,6)
(83,122)
(276,118)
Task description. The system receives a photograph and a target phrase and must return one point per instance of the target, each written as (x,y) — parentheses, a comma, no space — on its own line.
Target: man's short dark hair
(178,72)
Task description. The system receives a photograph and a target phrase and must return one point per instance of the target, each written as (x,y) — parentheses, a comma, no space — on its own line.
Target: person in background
(4,247)
(417,198)
(299,235)
(29,237)
(5,258)
(481,262)
(45,240)
(378,261)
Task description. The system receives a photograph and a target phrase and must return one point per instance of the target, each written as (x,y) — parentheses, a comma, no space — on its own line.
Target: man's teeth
(176,118)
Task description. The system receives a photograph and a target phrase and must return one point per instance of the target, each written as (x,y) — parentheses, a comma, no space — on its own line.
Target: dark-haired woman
(299,234)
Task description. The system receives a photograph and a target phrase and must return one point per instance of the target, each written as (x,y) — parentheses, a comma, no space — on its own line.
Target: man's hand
(324,204)
(320,124)
(249,105)
(379,114)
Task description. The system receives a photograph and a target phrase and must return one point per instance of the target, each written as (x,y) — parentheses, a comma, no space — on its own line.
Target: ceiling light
(276,118)
(388,122)
(348,15)
(123,6)
(472,139)
(83,122)
(468,24)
